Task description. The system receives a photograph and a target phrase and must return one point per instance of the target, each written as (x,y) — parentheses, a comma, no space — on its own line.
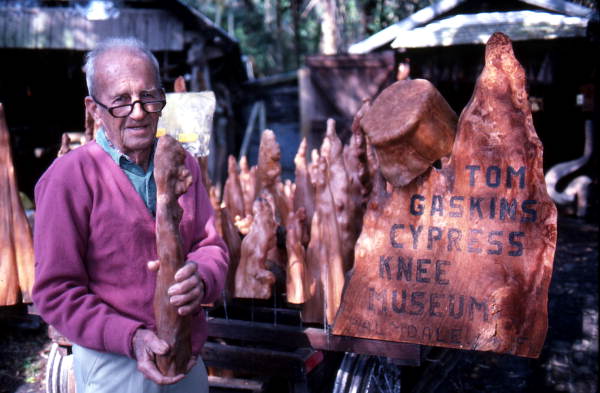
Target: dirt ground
(568,363)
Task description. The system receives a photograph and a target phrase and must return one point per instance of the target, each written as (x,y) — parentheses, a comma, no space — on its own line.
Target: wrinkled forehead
(120,67)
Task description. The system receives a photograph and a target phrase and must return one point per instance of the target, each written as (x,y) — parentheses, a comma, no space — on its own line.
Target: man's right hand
(146,345)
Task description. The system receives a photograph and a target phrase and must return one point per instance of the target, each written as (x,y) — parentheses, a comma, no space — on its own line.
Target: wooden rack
(276,344)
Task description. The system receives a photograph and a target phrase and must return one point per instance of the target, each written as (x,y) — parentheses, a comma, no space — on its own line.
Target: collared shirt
(143,182)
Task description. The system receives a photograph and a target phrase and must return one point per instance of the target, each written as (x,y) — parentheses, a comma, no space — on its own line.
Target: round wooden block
(411,126)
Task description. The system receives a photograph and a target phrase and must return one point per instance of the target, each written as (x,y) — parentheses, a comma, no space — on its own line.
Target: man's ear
(92,108)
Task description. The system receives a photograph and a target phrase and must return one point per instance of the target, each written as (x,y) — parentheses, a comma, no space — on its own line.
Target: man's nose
(137,112)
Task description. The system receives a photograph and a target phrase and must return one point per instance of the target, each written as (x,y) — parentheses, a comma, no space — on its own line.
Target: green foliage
(268,35)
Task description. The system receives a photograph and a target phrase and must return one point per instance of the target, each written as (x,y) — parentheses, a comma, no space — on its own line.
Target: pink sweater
(93,237)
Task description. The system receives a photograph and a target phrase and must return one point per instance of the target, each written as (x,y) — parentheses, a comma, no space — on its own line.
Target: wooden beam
(235,383)
(290,337)
(258,361)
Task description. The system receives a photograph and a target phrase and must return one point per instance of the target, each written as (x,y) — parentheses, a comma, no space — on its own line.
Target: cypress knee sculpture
(355,159)
(324,259)
(232,191)
(16,246)
(296,275)
(359,187)
(232,238)
(252,279)
(268,174)
(248,184)
(172,180)
(339,182)
(304,193)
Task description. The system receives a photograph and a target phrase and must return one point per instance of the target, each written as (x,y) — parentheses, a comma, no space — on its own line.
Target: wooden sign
(462,256)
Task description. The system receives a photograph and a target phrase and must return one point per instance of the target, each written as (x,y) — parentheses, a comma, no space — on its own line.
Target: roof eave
(562,7)
(205,21)
(454,30)
(388,34)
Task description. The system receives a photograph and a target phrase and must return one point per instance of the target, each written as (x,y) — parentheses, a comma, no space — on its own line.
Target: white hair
(128,43)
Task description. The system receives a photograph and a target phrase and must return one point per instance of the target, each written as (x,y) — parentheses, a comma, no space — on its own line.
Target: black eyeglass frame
(131,106)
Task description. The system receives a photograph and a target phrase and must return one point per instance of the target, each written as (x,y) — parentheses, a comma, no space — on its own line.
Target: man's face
(122,77)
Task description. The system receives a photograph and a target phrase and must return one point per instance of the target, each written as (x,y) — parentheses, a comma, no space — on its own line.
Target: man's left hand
(188,291)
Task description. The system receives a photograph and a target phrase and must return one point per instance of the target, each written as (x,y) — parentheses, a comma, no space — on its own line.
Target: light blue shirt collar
(143,181)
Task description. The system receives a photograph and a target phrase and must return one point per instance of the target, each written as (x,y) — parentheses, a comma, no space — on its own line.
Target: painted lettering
(530,214)
(404,269)
(434,305)
(456,314)
(472,169)
(510,172)
(416,208)
(508,209)
(384,266)
(415,232)
(480,306)
(493,176)
(475,205)
(455,335)
(493,242)
(426,334)
(422,270)
(375,295)
(454,236)
(416,301)
(458,212)
(440,272)
(437,205)
(431,237)
(513,240)
(402,308)
(393,231)
(492,210)
(472,243)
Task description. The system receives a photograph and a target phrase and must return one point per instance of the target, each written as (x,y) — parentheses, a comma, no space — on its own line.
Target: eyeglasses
(125,110)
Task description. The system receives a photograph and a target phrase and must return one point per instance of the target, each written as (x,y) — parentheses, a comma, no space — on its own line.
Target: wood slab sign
(461,257)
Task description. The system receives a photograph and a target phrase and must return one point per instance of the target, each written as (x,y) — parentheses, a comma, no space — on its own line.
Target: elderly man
(95,236)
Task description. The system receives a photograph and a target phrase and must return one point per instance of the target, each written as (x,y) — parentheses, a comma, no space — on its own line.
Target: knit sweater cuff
(118,335)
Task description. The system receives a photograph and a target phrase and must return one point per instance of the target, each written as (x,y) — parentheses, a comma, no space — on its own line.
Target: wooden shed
(42,45)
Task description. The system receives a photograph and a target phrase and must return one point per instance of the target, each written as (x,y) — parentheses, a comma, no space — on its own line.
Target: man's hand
(187,292)
(145,346)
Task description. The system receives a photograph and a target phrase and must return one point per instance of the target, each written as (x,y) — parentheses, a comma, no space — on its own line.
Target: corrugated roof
(388,34)
(562,7)
(477,28)
(413,32)
(67,28)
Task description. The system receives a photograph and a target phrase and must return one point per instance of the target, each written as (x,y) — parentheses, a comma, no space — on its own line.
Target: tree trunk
(367,16)
(296,26)
(279,46)
(329,30)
